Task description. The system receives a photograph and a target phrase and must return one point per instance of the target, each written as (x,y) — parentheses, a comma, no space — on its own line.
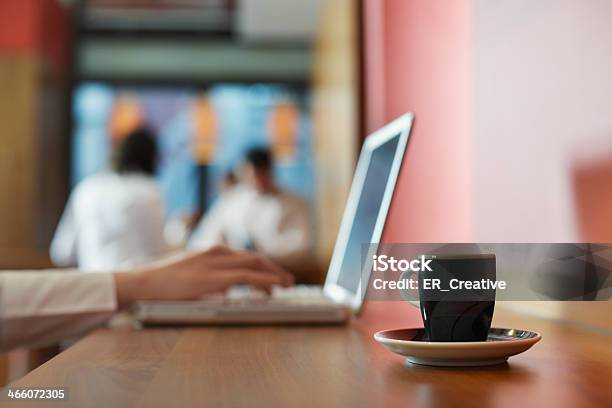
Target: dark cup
(458,314)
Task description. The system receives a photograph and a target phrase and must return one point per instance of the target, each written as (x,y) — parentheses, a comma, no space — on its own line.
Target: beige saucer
(500,345)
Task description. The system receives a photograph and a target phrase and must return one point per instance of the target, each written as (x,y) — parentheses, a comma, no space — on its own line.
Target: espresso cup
(454,310)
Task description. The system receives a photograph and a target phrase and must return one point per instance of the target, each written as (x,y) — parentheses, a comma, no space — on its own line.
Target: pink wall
(512,98)
(542,131)
(418,59)
(513,135)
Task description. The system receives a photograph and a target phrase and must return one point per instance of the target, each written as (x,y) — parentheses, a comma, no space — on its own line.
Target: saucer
(500,345)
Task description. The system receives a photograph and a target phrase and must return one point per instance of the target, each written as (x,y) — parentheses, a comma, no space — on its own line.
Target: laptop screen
(368,202)
(366,214)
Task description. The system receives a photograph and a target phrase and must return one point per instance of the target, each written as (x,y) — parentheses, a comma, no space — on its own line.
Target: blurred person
(256,214)
(43,307)
(178,230)
(115,218)
(230,181)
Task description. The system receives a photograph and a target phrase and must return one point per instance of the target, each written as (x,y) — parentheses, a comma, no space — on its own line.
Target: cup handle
(407,297)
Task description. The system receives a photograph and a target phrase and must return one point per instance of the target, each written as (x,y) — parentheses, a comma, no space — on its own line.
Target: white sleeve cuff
(49,293)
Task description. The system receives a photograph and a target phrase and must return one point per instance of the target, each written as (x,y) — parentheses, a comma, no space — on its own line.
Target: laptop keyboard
(298,294)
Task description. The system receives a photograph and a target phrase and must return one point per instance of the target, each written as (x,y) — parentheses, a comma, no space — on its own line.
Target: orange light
(283,124)
(127,116)
(205,130)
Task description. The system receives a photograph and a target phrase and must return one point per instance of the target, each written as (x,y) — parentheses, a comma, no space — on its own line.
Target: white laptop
(343,293)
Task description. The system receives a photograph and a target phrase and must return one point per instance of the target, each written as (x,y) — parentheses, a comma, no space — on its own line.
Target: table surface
(319,366)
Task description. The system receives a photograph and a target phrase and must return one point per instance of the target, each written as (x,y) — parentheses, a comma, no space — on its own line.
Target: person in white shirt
(43,307)
(115,219)
(258,215)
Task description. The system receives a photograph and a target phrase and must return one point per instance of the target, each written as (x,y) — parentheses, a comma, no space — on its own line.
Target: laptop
(344,290)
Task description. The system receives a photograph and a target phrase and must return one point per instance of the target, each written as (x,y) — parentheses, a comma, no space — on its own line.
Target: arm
(38,308)
(193,275)
(290,236)
(290,242)
(209,230)
(154,224)
(42,307)
(63,246)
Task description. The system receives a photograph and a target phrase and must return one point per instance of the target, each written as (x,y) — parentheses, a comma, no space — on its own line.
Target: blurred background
(513,105)
(211,78)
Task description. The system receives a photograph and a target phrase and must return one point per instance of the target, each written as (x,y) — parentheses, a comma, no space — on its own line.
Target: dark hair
(230,177)
(137,153)
(260,158)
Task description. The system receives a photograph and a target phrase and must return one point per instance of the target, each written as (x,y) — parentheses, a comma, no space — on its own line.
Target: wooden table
(319,366)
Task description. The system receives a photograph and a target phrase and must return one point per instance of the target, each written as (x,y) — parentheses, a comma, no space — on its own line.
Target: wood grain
(319,366)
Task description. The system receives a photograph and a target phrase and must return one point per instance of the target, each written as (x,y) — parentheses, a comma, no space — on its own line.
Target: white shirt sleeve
(63,247)
(209,231)
(287,231)
(156,223)
(39,308)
